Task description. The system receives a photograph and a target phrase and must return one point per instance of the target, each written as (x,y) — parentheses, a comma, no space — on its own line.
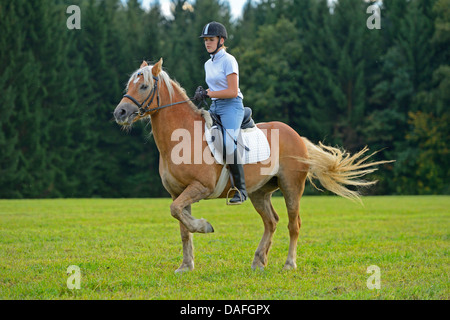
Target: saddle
(247,122)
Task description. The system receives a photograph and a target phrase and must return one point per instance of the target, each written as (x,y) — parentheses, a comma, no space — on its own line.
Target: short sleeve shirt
(218,68)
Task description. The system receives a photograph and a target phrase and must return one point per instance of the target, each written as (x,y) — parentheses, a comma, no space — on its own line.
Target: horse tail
(335,168)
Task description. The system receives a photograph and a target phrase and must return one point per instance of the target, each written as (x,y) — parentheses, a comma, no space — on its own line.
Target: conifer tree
(11,43)
(317,68)
(406,69)
(428,117)
(30,83)
(269,72)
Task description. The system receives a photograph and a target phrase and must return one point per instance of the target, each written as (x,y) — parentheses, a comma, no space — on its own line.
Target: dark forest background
(318,68)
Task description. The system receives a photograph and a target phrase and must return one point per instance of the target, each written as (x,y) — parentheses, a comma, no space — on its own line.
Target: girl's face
(211,43)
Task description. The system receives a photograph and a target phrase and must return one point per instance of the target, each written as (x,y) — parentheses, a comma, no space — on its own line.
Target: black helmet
(214,29)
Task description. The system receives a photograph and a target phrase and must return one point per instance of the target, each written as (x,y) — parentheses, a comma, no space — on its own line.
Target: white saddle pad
(257,147)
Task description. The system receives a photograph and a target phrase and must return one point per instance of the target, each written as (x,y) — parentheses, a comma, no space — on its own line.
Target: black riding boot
(237,171)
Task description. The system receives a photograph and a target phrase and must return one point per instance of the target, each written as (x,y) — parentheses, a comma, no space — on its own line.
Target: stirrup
(240,196)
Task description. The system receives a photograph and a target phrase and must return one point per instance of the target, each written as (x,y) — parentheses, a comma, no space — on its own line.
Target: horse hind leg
(292,187)
(262,204)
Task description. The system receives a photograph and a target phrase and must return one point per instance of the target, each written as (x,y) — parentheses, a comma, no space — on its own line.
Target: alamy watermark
(374,21)
(74,280)
(374,281)
(189,147)
(74,20)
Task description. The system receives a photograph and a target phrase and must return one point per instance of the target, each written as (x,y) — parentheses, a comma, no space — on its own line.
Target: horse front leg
(181,210)
(188,247)
(193,193)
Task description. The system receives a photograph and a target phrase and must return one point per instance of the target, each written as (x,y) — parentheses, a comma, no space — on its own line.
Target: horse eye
(144,87)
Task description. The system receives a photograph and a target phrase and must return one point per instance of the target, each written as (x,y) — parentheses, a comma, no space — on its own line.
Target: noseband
(151,96)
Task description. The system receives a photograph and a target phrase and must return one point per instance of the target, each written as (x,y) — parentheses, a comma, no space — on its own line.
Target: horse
(151,94)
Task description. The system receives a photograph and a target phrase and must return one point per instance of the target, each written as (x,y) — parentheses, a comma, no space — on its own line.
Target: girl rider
(222,78)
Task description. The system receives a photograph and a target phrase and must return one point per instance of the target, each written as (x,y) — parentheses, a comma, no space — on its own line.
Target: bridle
(151,96)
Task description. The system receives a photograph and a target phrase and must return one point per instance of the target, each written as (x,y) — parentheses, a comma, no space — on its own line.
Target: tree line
(313,65)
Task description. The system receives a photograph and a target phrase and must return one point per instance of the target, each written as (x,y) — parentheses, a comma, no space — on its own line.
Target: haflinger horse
(293,159)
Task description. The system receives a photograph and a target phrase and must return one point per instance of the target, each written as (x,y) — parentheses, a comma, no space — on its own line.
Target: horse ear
(143,64)
(157,67)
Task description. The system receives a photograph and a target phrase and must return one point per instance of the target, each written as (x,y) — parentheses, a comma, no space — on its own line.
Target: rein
(154,92)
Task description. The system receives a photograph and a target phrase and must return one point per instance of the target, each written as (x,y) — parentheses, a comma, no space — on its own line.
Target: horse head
(141,90)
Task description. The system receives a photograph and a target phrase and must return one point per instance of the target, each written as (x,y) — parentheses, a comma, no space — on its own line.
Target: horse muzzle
(125,113)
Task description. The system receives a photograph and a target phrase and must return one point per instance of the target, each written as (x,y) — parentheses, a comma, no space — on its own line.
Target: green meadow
(130,248)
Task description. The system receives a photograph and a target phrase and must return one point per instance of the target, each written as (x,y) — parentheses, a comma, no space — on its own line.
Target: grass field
(129,249)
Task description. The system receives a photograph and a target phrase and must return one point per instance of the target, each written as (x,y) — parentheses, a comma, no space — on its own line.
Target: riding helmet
(214,29)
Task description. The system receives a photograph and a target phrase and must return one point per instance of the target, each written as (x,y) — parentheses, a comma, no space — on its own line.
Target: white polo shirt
(218,69)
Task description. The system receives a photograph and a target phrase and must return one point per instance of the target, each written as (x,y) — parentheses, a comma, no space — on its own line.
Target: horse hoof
(183,269)
(290,266)
(207,227)
(257,267)
(210,228)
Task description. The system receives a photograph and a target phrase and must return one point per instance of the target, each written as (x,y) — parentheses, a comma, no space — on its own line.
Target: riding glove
(200,94)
